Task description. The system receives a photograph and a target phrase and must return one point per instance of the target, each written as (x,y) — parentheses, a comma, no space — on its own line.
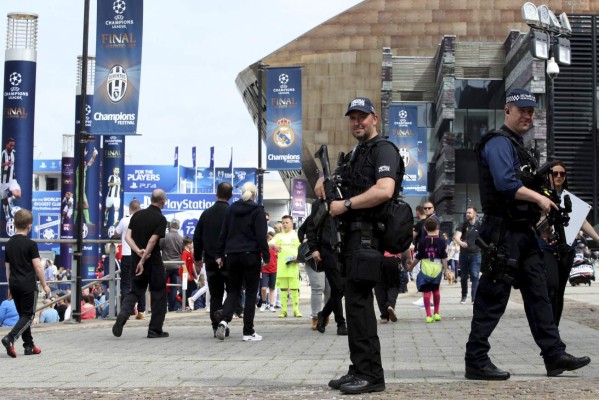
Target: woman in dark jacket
(558,264)
(242,245)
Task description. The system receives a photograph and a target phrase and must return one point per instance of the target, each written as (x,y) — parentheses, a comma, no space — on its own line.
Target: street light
(549,41)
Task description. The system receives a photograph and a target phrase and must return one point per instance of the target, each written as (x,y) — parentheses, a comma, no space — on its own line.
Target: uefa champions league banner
(17,154)
(204,180)
(91,190)
(242,176)
(113,167)
(284,118)
(298,197)
(118,66)
(411,141)
(67,209)
(239,177)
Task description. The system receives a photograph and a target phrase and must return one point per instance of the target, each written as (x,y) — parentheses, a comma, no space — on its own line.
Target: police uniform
(369,162)
(508,223)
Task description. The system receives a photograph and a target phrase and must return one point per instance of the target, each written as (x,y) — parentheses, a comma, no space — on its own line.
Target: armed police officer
(369,175)
(511,255)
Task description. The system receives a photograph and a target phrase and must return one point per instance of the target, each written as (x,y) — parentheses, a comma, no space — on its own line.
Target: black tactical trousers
(492,297)
(364,344)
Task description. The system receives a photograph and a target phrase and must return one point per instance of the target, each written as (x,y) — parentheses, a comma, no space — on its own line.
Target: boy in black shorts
(23,263)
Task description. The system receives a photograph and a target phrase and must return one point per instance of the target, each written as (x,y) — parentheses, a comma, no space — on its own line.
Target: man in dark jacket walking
(205,245)
(243,241)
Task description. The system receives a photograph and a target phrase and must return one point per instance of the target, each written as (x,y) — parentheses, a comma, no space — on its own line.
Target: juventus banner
(17,140)
(284,118)
(118,67)
(411,141)
(113,168)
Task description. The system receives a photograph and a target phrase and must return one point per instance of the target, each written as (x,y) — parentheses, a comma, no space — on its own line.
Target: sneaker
(392,315)
(283,314)
(263,307)
(191,304)
(437,317)
(226,332)
(418,302)
(297,313)
(10,347)
(252,338)
(33,350)
(140,315)
(272,309)
(463,301)
(221,330)
(429,320)
(384,321)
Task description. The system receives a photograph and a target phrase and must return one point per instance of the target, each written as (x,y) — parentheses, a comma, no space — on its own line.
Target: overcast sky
(192,53)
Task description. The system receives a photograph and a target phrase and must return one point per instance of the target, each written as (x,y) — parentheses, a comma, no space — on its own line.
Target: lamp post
(549,41)
(260,171)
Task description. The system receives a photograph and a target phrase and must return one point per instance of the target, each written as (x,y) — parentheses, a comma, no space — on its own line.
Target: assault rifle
(332,187)
(558,219)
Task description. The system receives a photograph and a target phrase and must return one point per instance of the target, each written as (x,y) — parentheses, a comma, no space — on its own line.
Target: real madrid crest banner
(411,141)
(284,118)
(118,67)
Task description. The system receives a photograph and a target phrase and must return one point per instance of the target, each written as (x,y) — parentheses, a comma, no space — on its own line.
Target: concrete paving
(420,360)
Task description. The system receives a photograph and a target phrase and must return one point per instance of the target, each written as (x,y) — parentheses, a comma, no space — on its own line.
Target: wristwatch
(347,204)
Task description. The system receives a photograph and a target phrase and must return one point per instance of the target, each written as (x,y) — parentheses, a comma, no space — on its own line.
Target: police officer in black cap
(511,210)
(371,173)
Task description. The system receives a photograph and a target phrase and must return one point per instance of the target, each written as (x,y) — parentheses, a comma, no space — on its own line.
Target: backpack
(396,225)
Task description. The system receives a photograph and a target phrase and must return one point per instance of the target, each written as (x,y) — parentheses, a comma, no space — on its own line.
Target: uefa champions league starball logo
(283,79)
(88,109)
(403,114)
(119,6)
(111,231)
(85,231)
(15,79)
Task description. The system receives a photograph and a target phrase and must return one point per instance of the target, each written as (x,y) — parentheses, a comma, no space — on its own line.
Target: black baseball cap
(521,98)
(361,104)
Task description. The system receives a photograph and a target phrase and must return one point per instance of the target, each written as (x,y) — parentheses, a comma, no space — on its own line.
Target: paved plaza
(420,360)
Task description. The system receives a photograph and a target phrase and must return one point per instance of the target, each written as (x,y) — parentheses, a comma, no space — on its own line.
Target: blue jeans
(469,266)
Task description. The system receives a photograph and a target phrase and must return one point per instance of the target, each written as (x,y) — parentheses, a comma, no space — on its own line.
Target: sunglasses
(558,174)
(428,208)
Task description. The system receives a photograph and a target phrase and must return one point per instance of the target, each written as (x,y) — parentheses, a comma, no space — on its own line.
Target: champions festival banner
(118,66)
(284,118)
(411,141)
